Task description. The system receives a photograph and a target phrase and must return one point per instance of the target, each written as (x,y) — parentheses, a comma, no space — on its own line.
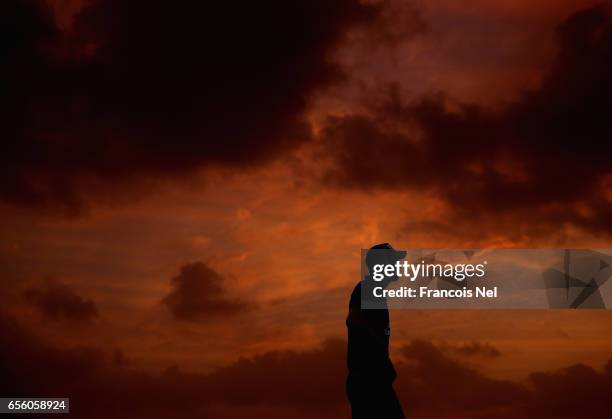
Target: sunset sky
(186,190)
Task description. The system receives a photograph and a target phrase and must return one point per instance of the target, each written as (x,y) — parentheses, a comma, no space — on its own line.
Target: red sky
(190,186)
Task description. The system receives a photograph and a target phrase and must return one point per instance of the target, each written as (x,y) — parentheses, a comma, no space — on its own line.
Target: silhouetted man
(369,384)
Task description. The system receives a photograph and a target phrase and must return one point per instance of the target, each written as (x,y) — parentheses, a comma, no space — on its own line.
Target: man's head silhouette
(383,254)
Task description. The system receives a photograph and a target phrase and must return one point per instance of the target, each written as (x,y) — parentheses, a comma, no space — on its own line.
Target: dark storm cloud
(58,301)
(157,88)
(199,293)
(430,384)
(308,380)
(545,156)
(437,382)
(397,22)
(574,392)
(474,349)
